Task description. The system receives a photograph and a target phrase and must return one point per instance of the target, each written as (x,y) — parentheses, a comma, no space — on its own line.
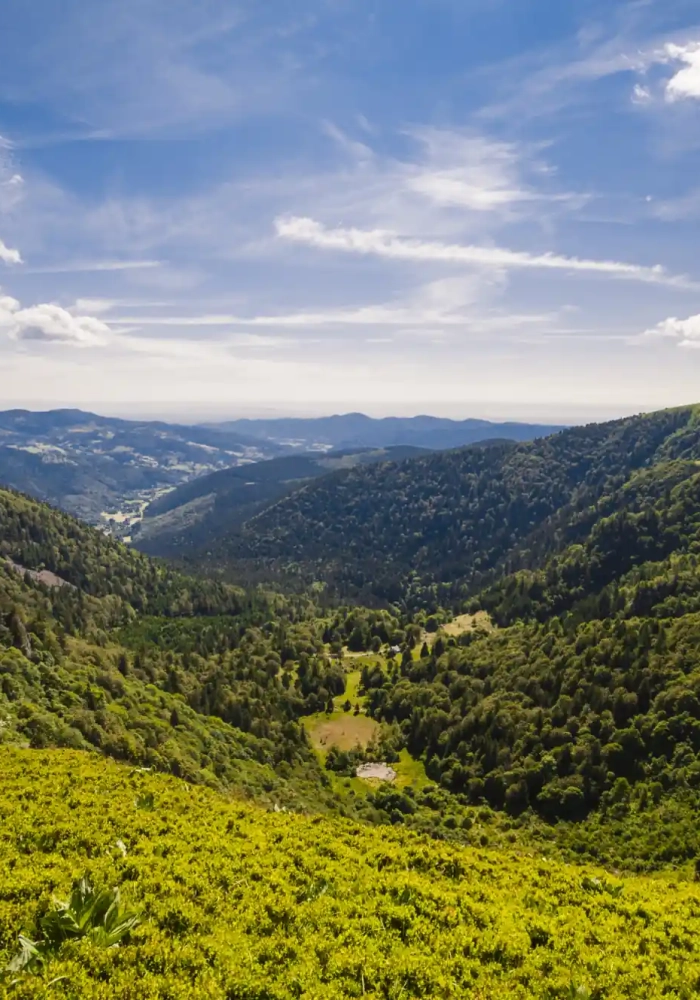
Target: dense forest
(195,514)
(432,531)
(559,721)
(634,553)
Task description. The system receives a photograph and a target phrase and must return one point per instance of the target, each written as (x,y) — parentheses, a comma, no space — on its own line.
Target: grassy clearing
(345,730)
(352,690)
(410,772)
(342,729)
(460,625)
(467,623)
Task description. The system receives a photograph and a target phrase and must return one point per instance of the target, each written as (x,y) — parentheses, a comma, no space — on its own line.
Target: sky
(473,208)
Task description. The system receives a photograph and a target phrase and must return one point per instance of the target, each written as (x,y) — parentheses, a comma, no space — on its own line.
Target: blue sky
(466,207)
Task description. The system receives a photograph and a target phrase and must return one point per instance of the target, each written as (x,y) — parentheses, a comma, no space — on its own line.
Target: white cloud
(79,267)
(11,189)
(11,182)
(448,303)
(8,255)
(686,332)
(468,172)
(472,172)
(451,176)
(384,243)
(376,315)
(640,94)
(93,306)
(686,82)
(51,323)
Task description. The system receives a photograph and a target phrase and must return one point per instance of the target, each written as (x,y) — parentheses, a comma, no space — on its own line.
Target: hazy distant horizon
(494,413)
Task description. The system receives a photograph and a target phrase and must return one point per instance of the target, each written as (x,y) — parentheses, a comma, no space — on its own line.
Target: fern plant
(97,915)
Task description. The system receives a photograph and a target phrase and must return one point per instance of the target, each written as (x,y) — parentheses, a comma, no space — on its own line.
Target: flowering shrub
(239,903)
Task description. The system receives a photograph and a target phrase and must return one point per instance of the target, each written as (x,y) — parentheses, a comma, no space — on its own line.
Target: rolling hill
(87,464)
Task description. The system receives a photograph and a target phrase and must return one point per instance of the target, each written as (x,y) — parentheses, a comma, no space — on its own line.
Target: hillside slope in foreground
(244,904)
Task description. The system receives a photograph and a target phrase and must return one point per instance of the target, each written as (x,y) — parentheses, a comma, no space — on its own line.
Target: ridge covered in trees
(435,530)
(101,647)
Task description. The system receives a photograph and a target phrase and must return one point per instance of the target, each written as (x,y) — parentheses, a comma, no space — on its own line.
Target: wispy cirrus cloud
(87,266)
(383,243)
(446,302)
(365,316)
(470,171)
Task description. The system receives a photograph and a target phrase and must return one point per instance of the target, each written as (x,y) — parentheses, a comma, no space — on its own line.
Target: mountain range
(88,464)
(107,470)
(355,430)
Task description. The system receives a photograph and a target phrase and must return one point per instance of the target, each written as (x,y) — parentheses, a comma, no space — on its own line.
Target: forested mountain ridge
(199,511)
(434,530)
(634,553)
(38,537)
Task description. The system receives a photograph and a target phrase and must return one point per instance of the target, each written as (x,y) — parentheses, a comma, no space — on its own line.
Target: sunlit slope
(245,904)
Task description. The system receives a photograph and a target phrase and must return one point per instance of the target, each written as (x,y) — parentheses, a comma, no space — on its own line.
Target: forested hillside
(632,553)
(565,722)
(436,530)
(197,513)
(101,647)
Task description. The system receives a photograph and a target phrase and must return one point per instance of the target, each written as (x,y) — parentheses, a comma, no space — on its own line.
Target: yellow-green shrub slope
(243,904)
